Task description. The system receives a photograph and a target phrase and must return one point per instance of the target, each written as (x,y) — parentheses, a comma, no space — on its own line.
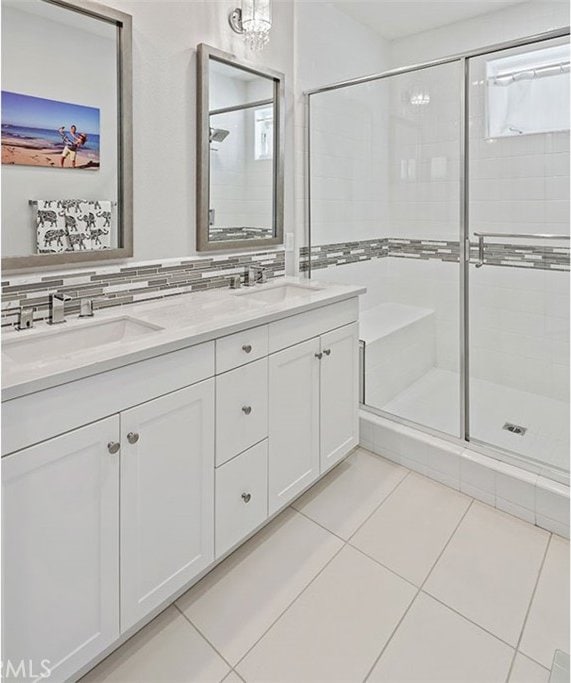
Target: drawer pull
(246,497)
(132,437)
(327,352)
(319,356)
(247,409)
(247,348)
(113,447)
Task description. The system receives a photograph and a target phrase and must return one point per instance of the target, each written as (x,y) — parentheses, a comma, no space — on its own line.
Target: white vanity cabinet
(294,421)
(60,536)
(167,497)
(339,394)
(122,488)
(313,417)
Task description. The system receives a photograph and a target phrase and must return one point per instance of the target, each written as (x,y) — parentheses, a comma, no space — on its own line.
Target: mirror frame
(204,54)
(124,24)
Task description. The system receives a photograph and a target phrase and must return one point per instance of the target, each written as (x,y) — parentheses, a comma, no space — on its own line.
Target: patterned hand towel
(73,225)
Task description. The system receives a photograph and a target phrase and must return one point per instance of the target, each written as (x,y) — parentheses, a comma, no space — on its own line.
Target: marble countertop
(181,321)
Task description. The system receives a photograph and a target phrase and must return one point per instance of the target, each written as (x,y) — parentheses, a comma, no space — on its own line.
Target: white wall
(517,21)
(32,67)
(349,173)
(165,36)
(424,154)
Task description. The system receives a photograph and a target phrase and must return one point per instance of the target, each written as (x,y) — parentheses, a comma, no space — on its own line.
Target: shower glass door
(518,226)
(385,212)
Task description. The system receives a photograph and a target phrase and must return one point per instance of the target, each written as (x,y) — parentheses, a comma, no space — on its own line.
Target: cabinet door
(293,422)
(339,394)
(167,497)
(60,551)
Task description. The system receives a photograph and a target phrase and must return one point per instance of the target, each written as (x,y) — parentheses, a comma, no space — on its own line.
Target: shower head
(218,134)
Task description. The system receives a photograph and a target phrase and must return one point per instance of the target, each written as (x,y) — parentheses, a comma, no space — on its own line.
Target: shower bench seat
(400,347)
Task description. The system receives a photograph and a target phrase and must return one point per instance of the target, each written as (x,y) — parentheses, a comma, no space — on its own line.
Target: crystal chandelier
(254,21)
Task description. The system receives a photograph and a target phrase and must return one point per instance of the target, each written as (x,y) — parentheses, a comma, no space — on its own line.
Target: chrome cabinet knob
(247,409)
(247,348)
(327,352)
(113,447)
(132,437)
(319,356)
(246,497)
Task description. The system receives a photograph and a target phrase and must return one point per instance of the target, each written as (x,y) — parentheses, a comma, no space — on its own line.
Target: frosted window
(528,93)
(264,133)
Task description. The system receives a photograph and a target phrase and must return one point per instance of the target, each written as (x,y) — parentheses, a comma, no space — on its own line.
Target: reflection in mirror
(241,146)
(66,126)
(240,200)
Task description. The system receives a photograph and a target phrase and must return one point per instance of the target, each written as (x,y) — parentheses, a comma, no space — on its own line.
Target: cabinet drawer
(241,496)
(241,348)
(37,417)
(303,326)
(241,409)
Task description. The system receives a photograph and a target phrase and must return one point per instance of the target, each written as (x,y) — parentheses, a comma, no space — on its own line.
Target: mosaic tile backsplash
(495,254)
(126,284)
(223,234)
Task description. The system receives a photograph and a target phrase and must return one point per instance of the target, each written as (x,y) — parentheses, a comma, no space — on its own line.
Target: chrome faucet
(57,308)
(255,274)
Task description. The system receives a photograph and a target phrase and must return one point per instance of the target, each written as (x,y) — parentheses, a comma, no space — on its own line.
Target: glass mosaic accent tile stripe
(496,254)
(126,284)
(222,234)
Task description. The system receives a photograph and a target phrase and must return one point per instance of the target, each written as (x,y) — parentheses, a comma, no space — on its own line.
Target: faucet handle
(86,308)
(60,296)
(26,318)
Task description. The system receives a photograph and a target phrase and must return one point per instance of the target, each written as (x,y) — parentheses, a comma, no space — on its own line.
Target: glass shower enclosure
(444,189)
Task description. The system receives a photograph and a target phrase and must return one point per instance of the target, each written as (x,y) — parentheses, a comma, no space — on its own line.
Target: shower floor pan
(433,401)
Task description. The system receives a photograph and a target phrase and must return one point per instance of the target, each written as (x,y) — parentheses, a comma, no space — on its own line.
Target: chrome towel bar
(512,235)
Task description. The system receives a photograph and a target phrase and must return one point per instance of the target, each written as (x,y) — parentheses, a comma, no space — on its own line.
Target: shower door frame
(463,59)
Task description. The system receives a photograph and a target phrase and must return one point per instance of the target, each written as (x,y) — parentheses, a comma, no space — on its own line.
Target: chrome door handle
(327,352)
(246,497)
(247,348)
(247,409)
(132,437)
(113,447)
(319,356)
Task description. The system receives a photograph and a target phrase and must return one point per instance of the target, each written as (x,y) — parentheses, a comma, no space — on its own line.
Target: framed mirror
(66,133)
(240,155)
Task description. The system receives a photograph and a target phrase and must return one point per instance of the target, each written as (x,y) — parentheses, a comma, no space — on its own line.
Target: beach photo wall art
(49,133)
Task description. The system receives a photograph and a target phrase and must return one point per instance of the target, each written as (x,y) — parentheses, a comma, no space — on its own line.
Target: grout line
(345,544)
(194,626)
(384,566)
(290,604)
(309,519)
(389,494)
(482,628)
(418,592)
(524,624)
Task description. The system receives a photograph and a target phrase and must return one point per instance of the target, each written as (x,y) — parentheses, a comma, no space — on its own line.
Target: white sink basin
(39,348)
(278,293)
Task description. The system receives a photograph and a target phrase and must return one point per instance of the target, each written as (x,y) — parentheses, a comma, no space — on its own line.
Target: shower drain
(515,429)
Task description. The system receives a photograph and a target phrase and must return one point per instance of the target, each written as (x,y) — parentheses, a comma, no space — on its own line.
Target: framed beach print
(41,132)
(66,133)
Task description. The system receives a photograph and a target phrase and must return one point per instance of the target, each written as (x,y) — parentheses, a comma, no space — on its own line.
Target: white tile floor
(433,400)
(375,574)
